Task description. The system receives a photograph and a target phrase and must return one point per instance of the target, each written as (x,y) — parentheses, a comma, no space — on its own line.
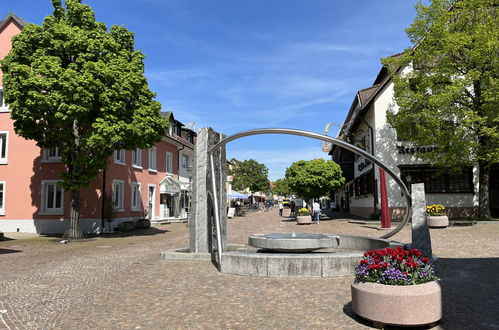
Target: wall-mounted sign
(413,149)
(363,164)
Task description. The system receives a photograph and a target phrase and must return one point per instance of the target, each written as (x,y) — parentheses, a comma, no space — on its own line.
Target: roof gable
(12,17)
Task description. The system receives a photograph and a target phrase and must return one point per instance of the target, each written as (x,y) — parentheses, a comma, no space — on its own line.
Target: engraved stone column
(420,231)
(199,222)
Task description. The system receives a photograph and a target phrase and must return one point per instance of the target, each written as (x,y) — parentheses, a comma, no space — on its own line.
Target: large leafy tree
(250,174)
(446,86)
(73,84)
(281,187)
(314,178)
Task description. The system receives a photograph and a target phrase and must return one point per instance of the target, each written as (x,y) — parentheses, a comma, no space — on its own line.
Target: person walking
(316,208)
(281,208)
(292,208)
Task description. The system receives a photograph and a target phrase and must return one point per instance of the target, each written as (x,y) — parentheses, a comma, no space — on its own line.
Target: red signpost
(385,211)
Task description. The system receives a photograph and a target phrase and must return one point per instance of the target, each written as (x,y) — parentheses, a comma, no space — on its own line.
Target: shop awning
(169,185)
(237,195)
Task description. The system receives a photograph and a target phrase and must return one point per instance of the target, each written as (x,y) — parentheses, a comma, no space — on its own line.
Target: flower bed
(395,267)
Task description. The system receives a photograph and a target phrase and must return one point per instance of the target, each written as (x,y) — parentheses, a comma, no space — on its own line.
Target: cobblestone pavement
(119,282)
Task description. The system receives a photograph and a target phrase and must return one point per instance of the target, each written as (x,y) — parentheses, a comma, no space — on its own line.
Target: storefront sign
(414,149)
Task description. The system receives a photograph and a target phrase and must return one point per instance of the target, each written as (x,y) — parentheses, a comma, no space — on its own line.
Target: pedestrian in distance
(281,207)
(316,208)
(292,208)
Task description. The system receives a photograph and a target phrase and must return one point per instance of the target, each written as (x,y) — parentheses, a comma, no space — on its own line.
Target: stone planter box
(400,305)
(303,219)
(126,226)
(438,221)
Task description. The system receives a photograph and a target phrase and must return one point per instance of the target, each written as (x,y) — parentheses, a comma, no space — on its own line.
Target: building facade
(152,183)
(366,127)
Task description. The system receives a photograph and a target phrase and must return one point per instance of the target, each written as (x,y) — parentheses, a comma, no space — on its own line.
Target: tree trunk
(483,190)
(74,231)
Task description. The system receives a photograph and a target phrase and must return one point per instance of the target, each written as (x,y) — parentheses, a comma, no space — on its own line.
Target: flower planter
(303,219)
(401,305)
(438,221)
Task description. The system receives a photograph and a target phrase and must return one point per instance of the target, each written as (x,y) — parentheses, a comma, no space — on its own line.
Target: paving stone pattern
(120,282)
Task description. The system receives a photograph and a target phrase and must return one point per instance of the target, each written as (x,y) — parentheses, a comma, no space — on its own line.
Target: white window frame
(44,210)
(2,200)
(51,159)
(121,198)
(137,158)
(119,157)
(136,203)
(169,163)
(3,107)
(4,160)
(152,160)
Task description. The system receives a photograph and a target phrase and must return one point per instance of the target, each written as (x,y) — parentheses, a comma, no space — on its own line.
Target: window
(364,184)
(118,193)
(137,158)
(436,182)
(136,200)
(186,161)
(119,157)
(4,140)
(152,159)
(51,155)
(2,197)
(52,197)
(169,162)
(3,106)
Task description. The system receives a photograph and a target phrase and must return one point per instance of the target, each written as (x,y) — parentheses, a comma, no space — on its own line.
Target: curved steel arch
(317,136)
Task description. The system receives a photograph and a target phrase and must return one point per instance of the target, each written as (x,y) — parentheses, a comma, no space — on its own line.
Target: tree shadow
(470,297)
(7,251)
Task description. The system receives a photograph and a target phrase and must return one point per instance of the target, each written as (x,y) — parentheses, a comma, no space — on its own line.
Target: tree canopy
(446,86)
(250,174)
(72,84)
(281,187)
(314,178)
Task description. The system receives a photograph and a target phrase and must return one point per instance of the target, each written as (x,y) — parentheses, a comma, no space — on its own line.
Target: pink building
(143,183)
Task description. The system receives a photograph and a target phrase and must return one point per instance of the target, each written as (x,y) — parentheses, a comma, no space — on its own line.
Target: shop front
(169,198)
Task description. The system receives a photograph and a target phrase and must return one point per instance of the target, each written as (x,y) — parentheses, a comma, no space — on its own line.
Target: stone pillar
(420,231)
(199,222)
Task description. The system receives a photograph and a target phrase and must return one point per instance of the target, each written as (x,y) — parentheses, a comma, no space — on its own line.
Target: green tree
(73,84)
(250,174)
(281,187)
(314,178)
(446,86)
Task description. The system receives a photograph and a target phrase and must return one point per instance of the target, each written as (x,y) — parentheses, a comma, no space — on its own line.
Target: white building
(366,126)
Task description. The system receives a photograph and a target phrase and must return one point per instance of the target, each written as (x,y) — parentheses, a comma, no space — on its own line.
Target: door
(151,202)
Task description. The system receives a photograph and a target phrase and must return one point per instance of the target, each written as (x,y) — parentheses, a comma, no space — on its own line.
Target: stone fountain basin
(325,262)
(293,242)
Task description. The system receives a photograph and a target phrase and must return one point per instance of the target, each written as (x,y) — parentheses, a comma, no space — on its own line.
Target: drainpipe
(103,207)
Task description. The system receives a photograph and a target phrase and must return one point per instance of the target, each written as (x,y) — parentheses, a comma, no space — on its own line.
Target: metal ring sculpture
(317,136)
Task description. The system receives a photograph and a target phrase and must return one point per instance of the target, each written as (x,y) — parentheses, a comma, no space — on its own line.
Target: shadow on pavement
(470,298)
(6,251)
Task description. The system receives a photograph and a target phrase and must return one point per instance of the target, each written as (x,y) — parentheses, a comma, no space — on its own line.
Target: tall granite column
(199,223)
(420,231)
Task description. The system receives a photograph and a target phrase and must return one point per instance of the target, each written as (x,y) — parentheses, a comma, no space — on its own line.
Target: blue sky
(240,65)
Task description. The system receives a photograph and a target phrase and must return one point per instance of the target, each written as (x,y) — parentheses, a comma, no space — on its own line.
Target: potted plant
(396,287)
(436,216)
(303,216)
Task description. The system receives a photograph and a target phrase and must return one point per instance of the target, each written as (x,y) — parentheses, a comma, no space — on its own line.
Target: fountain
(293,242)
